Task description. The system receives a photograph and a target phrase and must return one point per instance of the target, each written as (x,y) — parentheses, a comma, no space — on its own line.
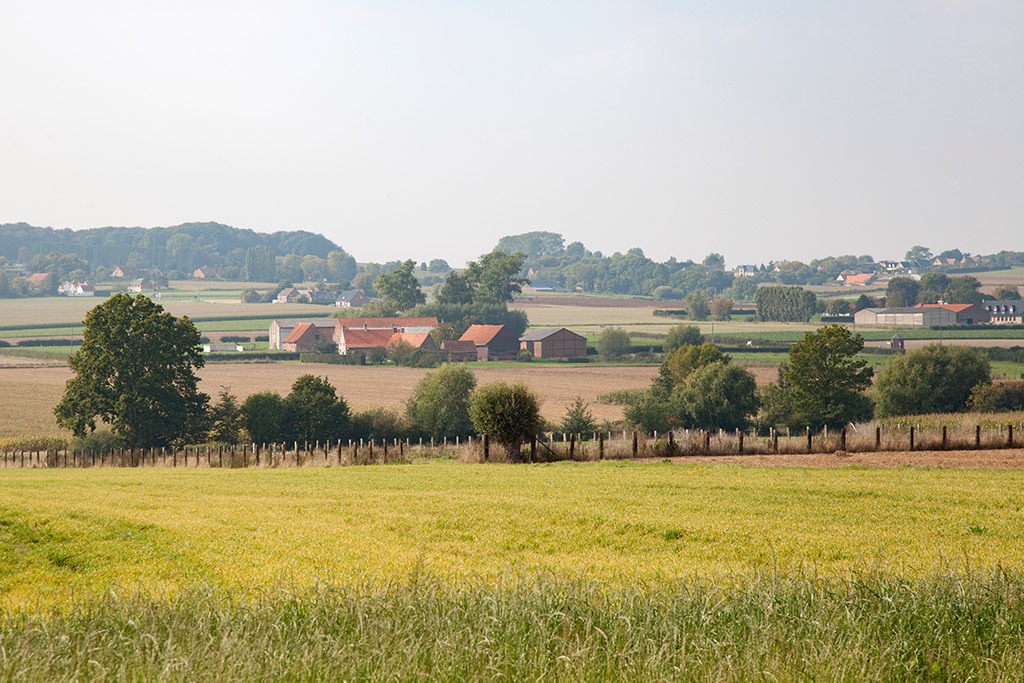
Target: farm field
(440,570)
(162,531)
(28,394)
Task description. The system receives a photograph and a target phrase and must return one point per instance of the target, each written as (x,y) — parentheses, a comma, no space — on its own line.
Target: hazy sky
(422,129)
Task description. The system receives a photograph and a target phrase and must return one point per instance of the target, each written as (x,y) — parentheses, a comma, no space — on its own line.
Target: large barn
(554,342)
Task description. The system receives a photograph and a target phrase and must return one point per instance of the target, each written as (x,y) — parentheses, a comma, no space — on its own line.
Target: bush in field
(508,413)
(378,423)
(997,398)
(226,418)
(314,411)
(613,343)
(439,406)
(682,334)
(578,418)
(263,416)
(717,396)
(934,379)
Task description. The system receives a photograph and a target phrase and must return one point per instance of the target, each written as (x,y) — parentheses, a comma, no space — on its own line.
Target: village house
(305,335)
(419,341)
(124,273)
(1008,312)
(205,274)
(286,296)
(140,284)
(361,334)
(554,342)
(458,350)
(280,329)
(351,298)
(492,342)
(76,288)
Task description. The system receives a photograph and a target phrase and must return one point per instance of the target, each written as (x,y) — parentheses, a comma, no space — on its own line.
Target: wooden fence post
(707,443)
(775,441)
(878,438)
(944,441)
(977,436)
(487,448)
(533,449)
(572,446)
(911,438)
(810,446)
(636,443)
(739,433)
(1009,436)
(842,439)
(600,446)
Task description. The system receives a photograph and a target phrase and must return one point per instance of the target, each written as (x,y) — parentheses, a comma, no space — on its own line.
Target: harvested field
(920,343)
(1008,458)
(29,393)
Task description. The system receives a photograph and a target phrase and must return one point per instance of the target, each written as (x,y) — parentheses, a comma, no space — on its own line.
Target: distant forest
(297,256)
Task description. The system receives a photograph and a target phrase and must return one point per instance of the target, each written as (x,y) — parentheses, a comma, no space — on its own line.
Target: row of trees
(823,383)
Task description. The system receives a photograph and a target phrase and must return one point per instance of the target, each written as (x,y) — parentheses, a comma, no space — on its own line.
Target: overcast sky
(428,129)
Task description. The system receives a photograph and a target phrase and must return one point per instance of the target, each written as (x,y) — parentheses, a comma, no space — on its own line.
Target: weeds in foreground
(952,626)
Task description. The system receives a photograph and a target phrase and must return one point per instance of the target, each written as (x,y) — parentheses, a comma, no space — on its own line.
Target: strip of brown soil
(1009,458)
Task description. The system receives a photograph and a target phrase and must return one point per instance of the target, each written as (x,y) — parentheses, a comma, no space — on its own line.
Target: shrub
(934,379)
(508,413)
(997,398)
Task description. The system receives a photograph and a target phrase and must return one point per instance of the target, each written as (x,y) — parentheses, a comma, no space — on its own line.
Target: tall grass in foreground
(952,626)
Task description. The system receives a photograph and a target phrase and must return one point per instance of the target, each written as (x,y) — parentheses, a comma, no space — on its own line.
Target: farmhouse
(420,341)
(280,329)
(123,272)
(911,316)
(358,339)
(492,341)
(374,333)
(305,335)
(554,342)
(286,296)
(76,288)
(966,314)
(140,284)
(1008,312)
(458,350)
(351,298)
(205,274)
(856,279)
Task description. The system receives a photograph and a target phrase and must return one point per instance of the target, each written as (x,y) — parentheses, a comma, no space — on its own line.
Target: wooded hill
(181,247)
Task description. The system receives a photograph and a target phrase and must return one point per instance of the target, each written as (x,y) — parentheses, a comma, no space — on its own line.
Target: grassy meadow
(442,570)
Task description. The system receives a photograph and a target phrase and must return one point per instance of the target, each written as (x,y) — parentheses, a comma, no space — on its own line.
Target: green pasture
(67,533)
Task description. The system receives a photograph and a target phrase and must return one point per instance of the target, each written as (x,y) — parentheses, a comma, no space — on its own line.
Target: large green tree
(825,379)
(399,289)
(716,396)
(901,291)
(496,277)
(135,371)
(934,379)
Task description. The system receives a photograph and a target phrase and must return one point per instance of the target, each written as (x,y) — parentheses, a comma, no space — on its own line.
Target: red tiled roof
(481,335)
(956,308)
(414,339)
(382,323)
(366,339)
(300,330)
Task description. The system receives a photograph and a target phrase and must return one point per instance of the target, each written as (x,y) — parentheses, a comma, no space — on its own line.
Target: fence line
(546,448)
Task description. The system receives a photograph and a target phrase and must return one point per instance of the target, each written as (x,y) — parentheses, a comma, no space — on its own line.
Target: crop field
(28,394)
(615,523)
(442,570)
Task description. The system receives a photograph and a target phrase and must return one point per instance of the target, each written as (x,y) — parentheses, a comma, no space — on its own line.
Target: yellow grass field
(28,394)
(159,530)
